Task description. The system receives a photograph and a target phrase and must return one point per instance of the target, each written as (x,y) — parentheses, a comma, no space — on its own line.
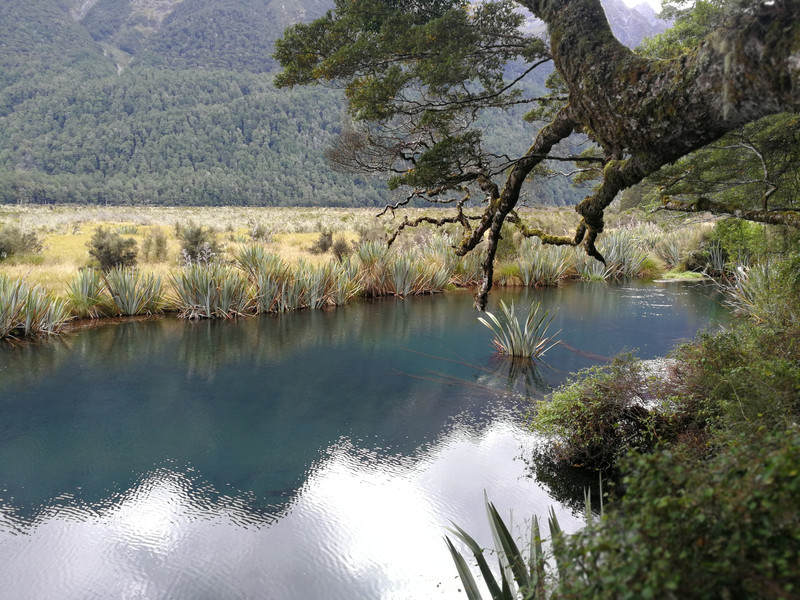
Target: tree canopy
(418,75)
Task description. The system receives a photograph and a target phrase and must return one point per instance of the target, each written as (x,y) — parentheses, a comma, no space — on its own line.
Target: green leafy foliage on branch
(723,528)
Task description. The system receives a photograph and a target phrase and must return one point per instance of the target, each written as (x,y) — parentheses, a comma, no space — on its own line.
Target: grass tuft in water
(528,340)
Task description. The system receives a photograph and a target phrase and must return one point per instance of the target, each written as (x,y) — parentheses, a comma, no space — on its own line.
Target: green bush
(724,528)
(323,242)
(341,248)
(741,242)
(602,414)
(198,244)
(14,241)
(154,246)
(110,250)
(743,378)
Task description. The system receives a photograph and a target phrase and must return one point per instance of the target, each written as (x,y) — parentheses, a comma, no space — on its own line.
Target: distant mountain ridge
(171,102)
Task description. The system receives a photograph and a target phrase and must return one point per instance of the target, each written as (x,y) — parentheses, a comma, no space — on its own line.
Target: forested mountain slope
(171,102)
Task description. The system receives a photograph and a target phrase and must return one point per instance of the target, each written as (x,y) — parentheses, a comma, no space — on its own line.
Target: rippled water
(306,456)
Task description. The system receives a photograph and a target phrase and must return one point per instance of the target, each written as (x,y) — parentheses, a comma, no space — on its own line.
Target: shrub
(198,244)
(600,415)
(723,528)
(323,242)
(110,250)
(741,242)
(743,378)
(14,241)
(154,246)
(341,248)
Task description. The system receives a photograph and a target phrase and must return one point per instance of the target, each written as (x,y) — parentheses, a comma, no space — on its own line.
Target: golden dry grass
(65,231)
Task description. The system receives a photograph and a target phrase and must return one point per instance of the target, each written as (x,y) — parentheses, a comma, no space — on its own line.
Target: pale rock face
(630,25)
(154,10)
(157,10)
(79,8)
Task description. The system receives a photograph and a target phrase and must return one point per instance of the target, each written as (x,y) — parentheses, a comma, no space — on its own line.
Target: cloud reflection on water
(364,525)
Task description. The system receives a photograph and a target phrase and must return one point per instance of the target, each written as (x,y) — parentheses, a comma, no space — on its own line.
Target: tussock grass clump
(212,291)
(87,295)
(374,263)
(542,265)
(132,292)
(29,310)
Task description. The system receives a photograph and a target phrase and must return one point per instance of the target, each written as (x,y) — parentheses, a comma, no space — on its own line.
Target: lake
(312,455)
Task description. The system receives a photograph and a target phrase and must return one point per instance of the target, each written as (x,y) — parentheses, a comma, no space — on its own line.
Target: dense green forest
(115,102)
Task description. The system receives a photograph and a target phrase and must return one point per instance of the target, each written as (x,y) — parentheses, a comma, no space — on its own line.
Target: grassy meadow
(278,259)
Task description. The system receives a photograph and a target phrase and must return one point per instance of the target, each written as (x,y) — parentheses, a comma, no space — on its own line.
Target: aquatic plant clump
(528,340)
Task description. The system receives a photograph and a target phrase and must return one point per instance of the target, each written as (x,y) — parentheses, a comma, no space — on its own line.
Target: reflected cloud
(364,525)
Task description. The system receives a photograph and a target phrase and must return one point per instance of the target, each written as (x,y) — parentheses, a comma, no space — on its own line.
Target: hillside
(171,102)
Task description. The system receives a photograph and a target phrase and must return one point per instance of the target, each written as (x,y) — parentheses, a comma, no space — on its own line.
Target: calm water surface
(316,455)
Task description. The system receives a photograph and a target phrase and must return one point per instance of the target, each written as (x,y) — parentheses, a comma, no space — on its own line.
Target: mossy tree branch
(770,217)
(395,60)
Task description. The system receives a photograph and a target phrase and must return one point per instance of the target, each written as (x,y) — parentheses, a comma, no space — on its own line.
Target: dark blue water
(309,455)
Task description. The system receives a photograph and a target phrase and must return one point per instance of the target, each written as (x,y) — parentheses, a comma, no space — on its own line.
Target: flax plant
(469,269)
(44,313)
(29,311)
(541,265)
(86,294)
(759,292)
(374,261)
(132,292)
(315,284)
(214,290)
(528,340)
(522,576)
(270,275)
(12,305)
(404,272)
(623,254)
(345,284)
(433,278)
